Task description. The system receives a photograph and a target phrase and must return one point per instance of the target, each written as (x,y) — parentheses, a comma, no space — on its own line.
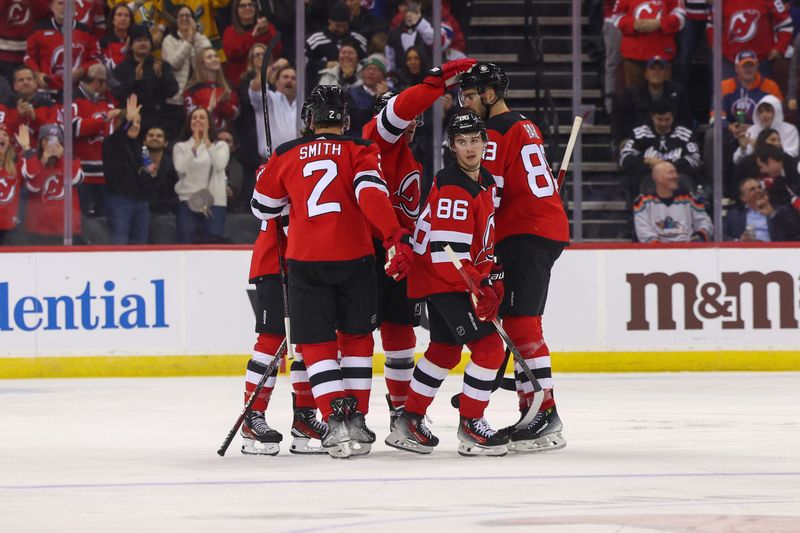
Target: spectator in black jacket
(149,78)
(164,200)
(322,47)
(779,174)
(129,180)
(638,101)
(753,218)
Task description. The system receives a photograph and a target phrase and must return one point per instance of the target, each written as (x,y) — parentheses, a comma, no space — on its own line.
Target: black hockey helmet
(326,105)
(466,122)
(484,75)
(382,100)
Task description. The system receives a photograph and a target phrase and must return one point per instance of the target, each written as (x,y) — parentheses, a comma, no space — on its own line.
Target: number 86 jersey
(527,200)
(459,212)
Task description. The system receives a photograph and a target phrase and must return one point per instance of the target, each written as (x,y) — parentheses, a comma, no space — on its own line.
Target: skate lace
(483,428)
(311,419)
(423,428)
(258,423)
(537,419)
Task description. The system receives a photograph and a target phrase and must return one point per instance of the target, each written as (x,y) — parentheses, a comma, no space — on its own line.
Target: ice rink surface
(706,452)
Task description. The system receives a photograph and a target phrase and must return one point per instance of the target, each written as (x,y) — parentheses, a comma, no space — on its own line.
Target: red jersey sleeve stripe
(391,126)
(265,207)
(367,179)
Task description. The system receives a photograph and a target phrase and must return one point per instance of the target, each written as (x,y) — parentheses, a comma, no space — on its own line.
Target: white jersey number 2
(314,207)
(536,166)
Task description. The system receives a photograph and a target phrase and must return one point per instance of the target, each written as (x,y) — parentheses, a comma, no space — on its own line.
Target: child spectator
(209,89)
(42,170)
(670,215)
(249,27)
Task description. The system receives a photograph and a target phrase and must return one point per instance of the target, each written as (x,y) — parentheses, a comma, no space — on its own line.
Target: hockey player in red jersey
(337,195)
(531,232)
(459,213)
(392,129)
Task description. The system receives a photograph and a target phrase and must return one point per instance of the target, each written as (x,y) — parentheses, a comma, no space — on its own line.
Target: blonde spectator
(209,89)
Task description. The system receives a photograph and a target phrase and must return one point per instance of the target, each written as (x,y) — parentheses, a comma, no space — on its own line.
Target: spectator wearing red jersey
(43,172)
(10,185)
(94,114)
(150,78)
(761,26)
(17,19)
(179,49)
(33,108)
(115,43)
(249,27)
(648,29)
(45,50)
(209,89)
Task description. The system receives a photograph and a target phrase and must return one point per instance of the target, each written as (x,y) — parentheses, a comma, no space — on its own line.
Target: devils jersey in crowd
(337,194)
(401,171)
(459,212)
(90,126)
(10,183)
(201,94)
(90,13)
(45,51)
(527,200)
(642,46)
(45,184)
(757,25)
(17,19)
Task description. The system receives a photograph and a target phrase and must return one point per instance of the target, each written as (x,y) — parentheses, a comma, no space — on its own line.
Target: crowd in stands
(666,151)
(167,109)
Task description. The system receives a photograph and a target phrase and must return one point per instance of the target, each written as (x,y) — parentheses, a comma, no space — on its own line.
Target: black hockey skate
(394,412)
(257,437)
(305,427)
(476,437)
(362,436)
(543,433)
(411,434)
(336,439)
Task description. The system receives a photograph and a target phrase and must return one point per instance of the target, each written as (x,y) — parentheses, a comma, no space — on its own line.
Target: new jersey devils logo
(57,61)
(647,10)
(7,190)
(53,189)
(409,194)
(487,254)
(18,14)
(743,25)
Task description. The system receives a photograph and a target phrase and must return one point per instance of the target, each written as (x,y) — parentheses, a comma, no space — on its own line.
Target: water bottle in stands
(146,159)
(700,194)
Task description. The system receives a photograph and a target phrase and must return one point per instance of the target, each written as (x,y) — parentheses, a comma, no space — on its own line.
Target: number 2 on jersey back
(537,169)
(314,207)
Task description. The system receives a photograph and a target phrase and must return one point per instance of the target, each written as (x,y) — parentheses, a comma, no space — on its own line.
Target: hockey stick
(279,228)
(252,399)
(500,382)
(573,136)
(538,393)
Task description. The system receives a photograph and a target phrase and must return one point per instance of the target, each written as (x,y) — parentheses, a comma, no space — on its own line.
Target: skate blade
(470,449)
(360,448)
(407,445)
(254,447)
(341,450)
(553,441)
(300,446)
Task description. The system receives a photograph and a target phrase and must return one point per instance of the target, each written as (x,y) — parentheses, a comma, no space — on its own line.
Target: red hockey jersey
(90,126)
(9,118)
(91,14)
(114,50)
(401,170)
(757,25)
(199,95)
(10,185)
(46,112)
(336,192)
(640,46)
(45,210)
(17,19)
(45,51)
(264,261)
(527,200)
(459,212)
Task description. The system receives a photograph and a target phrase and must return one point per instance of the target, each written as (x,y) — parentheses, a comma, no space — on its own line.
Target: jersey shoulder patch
(505,121)
(454,176)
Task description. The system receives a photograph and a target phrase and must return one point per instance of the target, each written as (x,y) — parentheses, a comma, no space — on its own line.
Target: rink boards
(188,311)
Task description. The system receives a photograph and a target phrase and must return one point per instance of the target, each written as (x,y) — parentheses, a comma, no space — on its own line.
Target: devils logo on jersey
(648,10)
(57,61)
(18,14)
(743,25)
(409,193)
(53,189)
(7,190)
(487,253)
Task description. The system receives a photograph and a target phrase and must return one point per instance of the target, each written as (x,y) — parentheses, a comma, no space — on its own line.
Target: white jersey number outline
(331,171)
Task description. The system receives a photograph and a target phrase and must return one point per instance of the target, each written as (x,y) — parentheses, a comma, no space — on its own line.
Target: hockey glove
(399,254)
(449,74)
(486,303)
(496,278)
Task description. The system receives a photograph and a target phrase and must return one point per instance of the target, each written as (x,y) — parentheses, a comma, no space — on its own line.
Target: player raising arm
(459,212)
(337,195)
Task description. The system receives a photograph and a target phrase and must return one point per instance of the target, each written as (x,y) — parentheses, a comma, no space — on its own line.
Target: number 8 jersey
(459,212)
(527,200)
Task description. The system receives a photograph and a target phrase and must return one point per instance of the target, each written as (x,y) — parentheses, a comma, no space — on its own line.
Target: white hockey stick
(538,393)
(573,136)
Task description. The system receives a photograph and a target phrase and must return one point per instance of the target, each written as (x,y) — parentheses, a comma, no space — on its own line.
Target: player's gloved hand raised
(399,254)
(486,302)
(496,279)
(449,74)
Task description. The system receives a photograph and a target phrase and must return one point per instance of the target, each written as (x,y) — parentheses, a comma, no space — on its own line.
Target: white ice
(707,452)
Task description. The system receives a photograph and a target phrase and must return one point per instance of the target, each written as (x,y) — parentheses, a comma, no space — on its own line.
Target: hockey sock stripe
(357,373)
(325,377)
(399,372)
(478,382)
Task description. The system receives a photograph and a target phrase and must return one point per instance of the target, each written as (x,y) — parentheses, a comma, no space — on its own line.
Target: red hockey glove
(496,278)
(449,74)
(486,303)
(399,254)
